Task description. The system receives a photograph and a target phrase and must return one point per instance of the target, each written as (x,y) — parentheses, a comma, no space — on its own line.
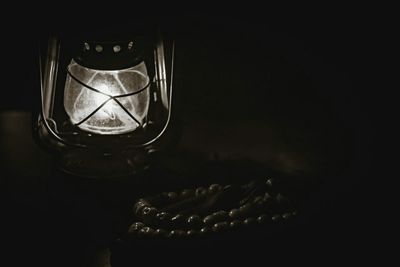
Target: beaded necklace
(203,211)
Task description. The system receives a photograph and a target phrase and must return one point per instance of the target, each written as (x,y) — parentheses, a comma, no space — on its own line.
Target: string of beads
(182,214)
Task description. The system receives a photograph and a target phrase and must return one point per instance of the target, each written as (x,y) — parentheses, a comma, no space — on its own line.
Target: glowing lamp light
(107,102)
(106,99)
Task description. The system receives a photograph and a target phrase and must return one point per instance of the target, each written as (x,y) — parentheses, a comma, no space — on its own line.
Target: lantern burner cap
(112,55)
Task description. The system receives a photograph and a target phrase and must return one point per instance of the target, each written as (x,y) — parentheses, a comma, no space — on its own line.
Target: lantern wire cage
(109,98)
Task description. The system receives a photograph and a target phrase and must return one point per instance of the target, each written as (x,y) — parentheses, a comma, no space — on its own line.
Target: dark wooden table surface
(56,219)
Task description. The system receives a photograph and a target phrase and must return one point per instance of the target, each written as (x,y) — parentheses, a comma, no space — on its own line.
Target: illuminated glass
(107,101)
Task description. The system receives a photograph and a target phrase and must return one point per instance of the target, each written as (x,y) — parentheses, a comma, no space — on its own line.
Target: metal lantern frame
(70,140)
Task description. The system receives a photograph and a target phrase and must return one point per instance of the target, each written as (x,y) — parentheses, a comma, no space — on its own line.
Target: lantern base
(106,165)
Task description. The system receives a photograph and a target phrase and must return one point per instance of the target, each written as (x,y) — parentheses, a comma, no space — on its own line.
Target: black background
(334,49)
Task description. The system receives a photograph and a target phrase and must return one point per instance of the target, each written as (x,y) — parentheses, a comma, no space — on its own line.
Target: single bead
(258,200)
(245,209)
(178,219)
(172,234)
(163,216)
(180,233)
(280,198)
(117,48)
(276,217)
(147,231)
(262,218)
(149,211)
(160,232)
(99,48)
(191,232)
(220,215)
(209,219)
(140,202)
(267,197)
(234,213)
(176,233)
(172,195)
(220,226)
(249,221)
(201,191)
(146,210)
(204,230)
(139,206)
(235,223)
(214,188)
(187,193)
(269,182)
(294,213)
(286,216)
(194,220)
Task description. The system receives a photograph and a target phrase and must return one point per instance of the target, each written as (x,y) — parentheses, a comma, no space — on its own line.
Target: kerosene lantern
(106,98)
